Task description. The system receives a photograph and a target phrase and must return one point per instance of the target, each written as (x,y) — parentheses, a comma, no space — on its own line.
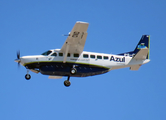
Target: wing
(76,40)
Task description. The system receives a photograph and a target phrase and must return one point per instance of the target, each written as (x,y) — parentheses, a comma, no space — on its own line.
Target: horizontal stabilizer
(142,54)
(135,67)
(55,77)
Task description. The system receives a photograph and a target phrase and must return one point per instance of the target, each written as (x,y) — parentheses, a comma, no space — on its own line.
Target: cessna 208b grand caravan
(72,61)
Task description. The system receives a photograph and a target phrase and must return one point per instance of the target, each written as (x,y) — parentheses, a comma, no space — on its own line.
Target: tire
(73,71)
(27,76)
(67,83)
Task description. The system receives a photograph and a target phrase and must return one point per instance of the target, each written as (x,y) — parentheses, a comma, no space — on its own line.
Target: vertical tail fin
(143,43)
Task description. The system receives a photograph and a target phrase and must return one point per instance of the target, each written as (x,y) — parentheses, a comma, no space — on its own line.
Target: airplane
(72,61)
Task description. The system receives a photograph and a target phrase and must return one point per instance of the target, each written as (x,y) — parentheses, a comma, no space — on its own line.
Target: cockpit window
(47,53)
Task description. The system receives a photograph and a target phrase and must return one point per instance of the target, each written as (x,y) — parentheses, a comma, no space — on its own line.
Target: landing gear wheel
(67,83)
(27,76)
(73,71)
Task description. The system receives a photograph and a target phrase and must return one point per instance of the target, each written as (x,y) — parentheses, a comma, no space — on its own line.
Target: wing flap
(142,54)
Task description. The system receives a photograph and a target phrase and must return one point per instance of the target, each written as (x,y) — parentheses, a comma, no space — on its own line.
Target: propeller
(18,54)
(18,58)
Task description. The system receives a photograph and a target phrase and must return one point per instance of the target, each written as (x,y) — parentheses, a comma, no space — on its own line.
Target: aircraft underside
(67,69)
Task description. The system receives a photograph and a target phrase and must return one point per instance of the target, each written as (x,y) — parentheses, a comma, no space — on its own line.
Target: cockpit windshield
(47,52)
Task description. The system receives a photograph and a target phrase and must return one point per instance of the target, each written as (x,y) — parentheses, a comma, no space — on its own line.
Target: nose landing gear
(27,76)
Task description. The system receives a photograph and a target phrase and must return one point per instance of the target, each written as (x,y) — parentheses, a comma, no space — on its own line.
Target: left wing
(76,40)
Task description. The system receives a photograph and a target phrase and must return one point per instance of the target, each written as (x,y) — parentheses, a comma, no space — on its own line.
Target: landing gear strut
(67,82)
(27,76)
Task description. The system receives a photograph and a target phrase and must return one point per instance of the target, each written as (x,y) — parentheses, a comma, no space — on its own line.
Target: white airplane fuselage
(72,61)
(87,63)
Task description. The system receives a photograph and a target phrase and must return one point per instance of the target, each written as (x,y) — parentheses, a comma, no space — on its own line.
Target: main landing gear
(73,71)
(67,83)
(27,76)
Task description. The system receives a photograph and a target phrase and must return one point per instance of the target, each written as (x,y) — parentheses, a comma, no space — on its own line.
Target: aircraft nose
(20,60)
(23,59)
(27,59)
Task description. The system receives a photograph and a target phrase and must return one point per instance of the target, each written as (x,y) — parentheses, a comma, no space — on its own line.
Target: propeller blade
(18,54)
(18,64)
(18,59)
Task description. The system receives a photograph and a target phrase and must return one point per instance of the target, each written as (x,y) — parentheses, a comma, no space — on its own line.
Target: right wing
(76,40)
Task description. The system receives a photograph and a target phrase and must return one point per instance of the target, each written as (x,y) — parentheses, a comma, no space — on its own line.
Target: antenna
(66,34)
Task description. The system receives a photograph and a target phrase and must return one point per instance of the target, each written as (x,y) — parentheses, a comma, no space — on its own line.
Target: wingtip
(82,22)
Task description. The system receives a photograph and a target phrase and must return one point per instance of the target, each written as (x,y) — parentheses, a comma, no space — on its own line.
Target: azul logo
(142,45)
(117,59)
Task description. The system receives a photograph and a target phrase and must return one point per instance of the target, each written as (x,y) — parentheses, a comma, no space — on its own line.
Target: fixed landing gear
(73,71)
(27,76)
(67,83)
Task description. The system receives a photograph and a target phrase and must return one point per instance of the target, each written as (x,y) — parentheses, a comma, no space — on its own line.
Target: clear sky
(115,26)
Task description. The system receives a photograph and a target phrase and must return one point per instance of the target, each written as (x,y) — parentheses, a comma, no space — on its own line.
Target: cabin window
(92,56)
(99,57)
(76,55)
(68,55)
(60,54)
(54,54)
(105,57)
(47,53)
(85,55)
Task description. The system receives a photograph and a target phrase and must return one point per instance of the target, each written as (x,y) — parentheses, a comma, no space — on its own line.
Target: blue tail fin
(143,43)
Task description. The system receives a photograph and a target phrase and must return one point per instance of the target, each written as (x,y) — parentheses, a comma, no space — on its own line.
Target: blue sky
(34,26)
